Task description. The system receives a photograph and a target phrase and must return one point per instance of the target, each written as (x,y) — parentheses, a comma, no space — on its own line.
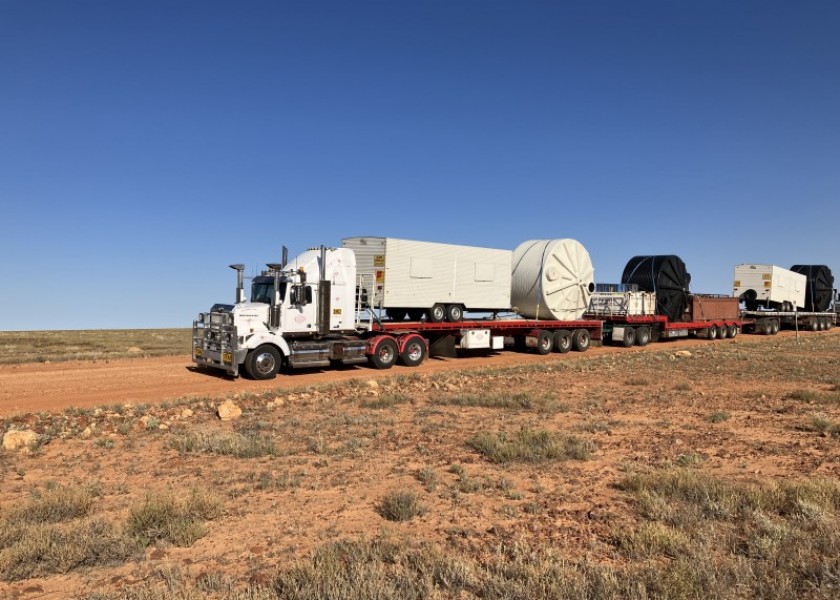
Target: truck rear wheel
(723,331)
(774,327)
(263,362)
(712,332)
(629,337)
(581,340)
(414,351)
(733,331)
(562,341)
(642,336)
(384,353)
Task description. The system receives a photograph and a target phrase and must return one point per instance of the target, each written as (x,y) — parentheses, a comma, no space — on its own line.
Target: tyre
(712,332)
(414,351)
(384,353)
(437,313)
(263,362)
(733,331)
(581,340)
(767,328)
(396,314)
(545,341)
(774,327)
(642,336)
(629,337)
(723,331)
(562,341)
(416,314)
(814,325)
(454,313)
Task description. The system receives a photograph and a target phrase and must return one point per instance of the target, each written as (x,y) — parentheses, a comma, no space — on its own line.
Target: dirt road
(55,386)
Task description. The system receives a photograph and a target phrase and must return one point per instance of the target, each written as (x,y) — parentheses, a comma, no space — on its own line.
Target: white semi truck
(320,309)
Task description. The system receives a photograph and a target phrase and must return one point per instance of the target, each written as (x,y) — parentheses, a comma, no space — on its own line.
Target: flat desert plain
(688,469)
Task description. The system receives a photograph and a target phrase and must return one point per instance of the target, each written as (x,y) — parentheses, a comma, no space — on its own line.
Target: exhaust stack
(240,285)
(324,295)
(274,308)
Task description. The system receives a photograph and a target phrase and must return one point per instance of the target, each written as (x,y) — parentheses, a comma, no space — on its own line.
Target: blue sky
(145,145)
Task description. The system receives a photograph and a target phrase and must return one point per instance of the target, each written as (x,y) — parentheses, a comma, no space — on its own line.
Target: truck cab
(296,309)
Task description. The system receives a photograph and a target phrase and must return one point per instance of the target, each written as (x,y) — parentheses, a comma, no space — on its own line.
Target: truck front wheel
(263,362)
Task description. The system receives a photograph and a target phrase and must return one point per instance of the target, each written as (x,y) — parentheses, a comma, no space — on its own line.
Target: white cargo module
(410,275)
(769,286)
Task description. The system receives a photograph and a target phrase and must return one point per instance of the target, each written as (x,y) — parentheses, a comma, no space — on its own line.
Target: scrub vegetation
(600,476)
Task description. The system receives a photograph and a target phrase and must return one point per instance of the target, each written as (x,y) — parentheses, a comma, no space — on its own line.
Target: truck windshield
(262,291)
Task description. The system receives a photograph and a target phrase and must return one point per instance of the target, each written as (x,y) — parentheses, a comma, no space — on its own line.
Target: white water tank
(552,279)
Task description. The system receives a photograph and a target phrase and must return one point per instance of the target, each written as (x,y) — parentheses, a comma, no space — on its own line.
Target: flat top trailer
(442,339)
(506,326)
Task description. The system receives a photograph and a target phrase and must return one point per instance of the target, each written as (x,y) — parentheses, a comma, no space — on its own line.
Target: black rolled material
(819,288)
(666,276)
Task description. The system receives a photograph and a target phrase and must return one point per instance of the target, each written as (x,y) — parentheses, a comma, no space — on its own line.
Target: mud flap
(443,346)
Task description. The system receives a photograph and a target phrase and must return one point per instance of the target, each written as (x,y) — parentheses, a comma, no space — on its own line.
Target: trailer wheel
(642,336)
(437,313)
(545,341)
(629,337)
(416,314)
(454,313)
(712,332)
(414,351)
(581,340)
(385,353)
(263,362)
(774,327)
(733,331)
(562,341)
(723,331)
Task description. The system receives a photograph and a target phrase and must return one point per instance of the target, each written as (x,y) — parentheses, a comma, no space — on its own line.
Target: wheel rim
(265,363)
(414,351)
(439,313)
(386,353)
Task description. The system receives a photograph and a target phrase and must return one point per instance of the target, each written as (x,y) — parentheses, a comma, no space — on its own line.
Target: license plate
(227,357)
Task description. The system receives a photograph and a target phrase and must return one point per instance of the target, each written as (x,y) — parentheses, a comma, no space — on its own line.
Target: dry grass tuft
(529,446)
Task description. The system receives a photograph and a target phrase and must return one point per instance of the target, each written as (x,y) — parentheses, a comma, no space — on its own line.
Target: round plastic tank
(819,288)
(666,276)
(552,279)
